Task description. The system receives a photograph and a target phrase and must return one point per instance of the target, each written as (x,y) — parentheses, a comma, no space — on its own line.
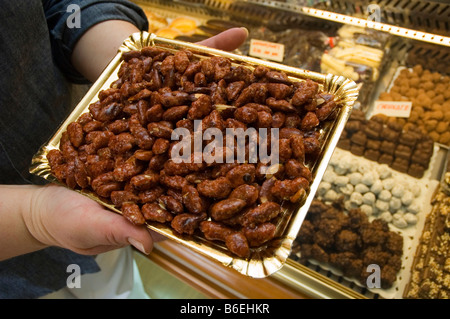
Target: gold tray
(263,261)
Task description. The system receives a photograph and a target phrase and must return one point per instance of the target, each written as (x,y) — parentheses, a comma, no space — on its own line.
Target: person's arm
(35,217)
(95,49)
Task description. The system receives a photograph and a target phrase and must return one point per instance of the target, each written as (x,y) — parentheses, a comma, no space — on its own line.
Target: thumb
(115,231)
(227,40)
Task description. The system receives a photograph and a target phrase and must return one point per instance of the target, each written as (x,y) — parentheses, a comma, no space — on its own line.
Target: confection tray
(269,259)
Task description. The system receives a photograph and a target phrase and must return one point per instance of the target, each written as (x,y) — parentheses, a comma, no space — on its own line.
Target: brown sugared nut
(151,195)
(76,135)
(305,92)
(218,188)
(261,214)
(238,244)
(260,234)
(226,208)
(172,204)
(285,189)
(120,197)
(192,200)
(248,193)
(200,107)
(80,173)
(121,143)
(241,174)
(145,181)
(104,184)
(246,114)
(214,230)
(157,129)
(155,213)
(187,223)
(132,212)
(310,121)
(294,168)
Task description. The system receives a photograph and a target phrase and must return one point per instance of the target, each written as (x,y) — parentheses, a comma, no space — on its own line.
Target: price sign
(393,108)
(267,50)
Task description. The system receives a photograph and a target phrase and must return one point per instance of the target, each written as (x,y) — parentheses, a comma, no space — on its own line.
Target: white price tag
(393,108)
(266,50)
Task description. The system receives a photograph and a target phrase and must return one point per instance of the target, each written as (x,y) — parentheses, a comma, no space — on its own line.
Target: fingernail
(138,245)
(245,29)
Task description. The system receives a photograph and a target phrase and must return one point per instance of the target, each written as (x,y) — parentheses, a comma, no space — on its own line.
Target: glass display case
(378,226)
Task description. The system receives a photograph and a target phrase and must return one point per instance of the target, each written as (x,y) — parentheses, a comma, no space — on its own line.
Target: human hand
(228,40)
(61,217)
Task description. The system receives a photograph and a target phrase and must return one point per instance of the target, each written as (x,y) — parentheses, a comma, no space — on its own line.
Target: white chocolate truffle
(369,198)
(411,219)
(414,207)
(364,168)
(348,205)
(335,159)
(329,176)
(376,187)
(398,214)
(366,209)
(341,181)
(369,178)
(343,166)
(347,189)
(354,178)
(415,189)
(323,188)
(385,195)
(382,205)
(386,216)
(356,198)
(395,204)
(361,188)
(388,183)
(398,190)
(407,198)
(331,195)
(384,171)
(400,222)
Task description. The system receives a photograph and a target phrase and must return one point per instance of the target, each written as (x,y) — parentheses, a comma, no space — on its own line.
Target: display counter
(384,198)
